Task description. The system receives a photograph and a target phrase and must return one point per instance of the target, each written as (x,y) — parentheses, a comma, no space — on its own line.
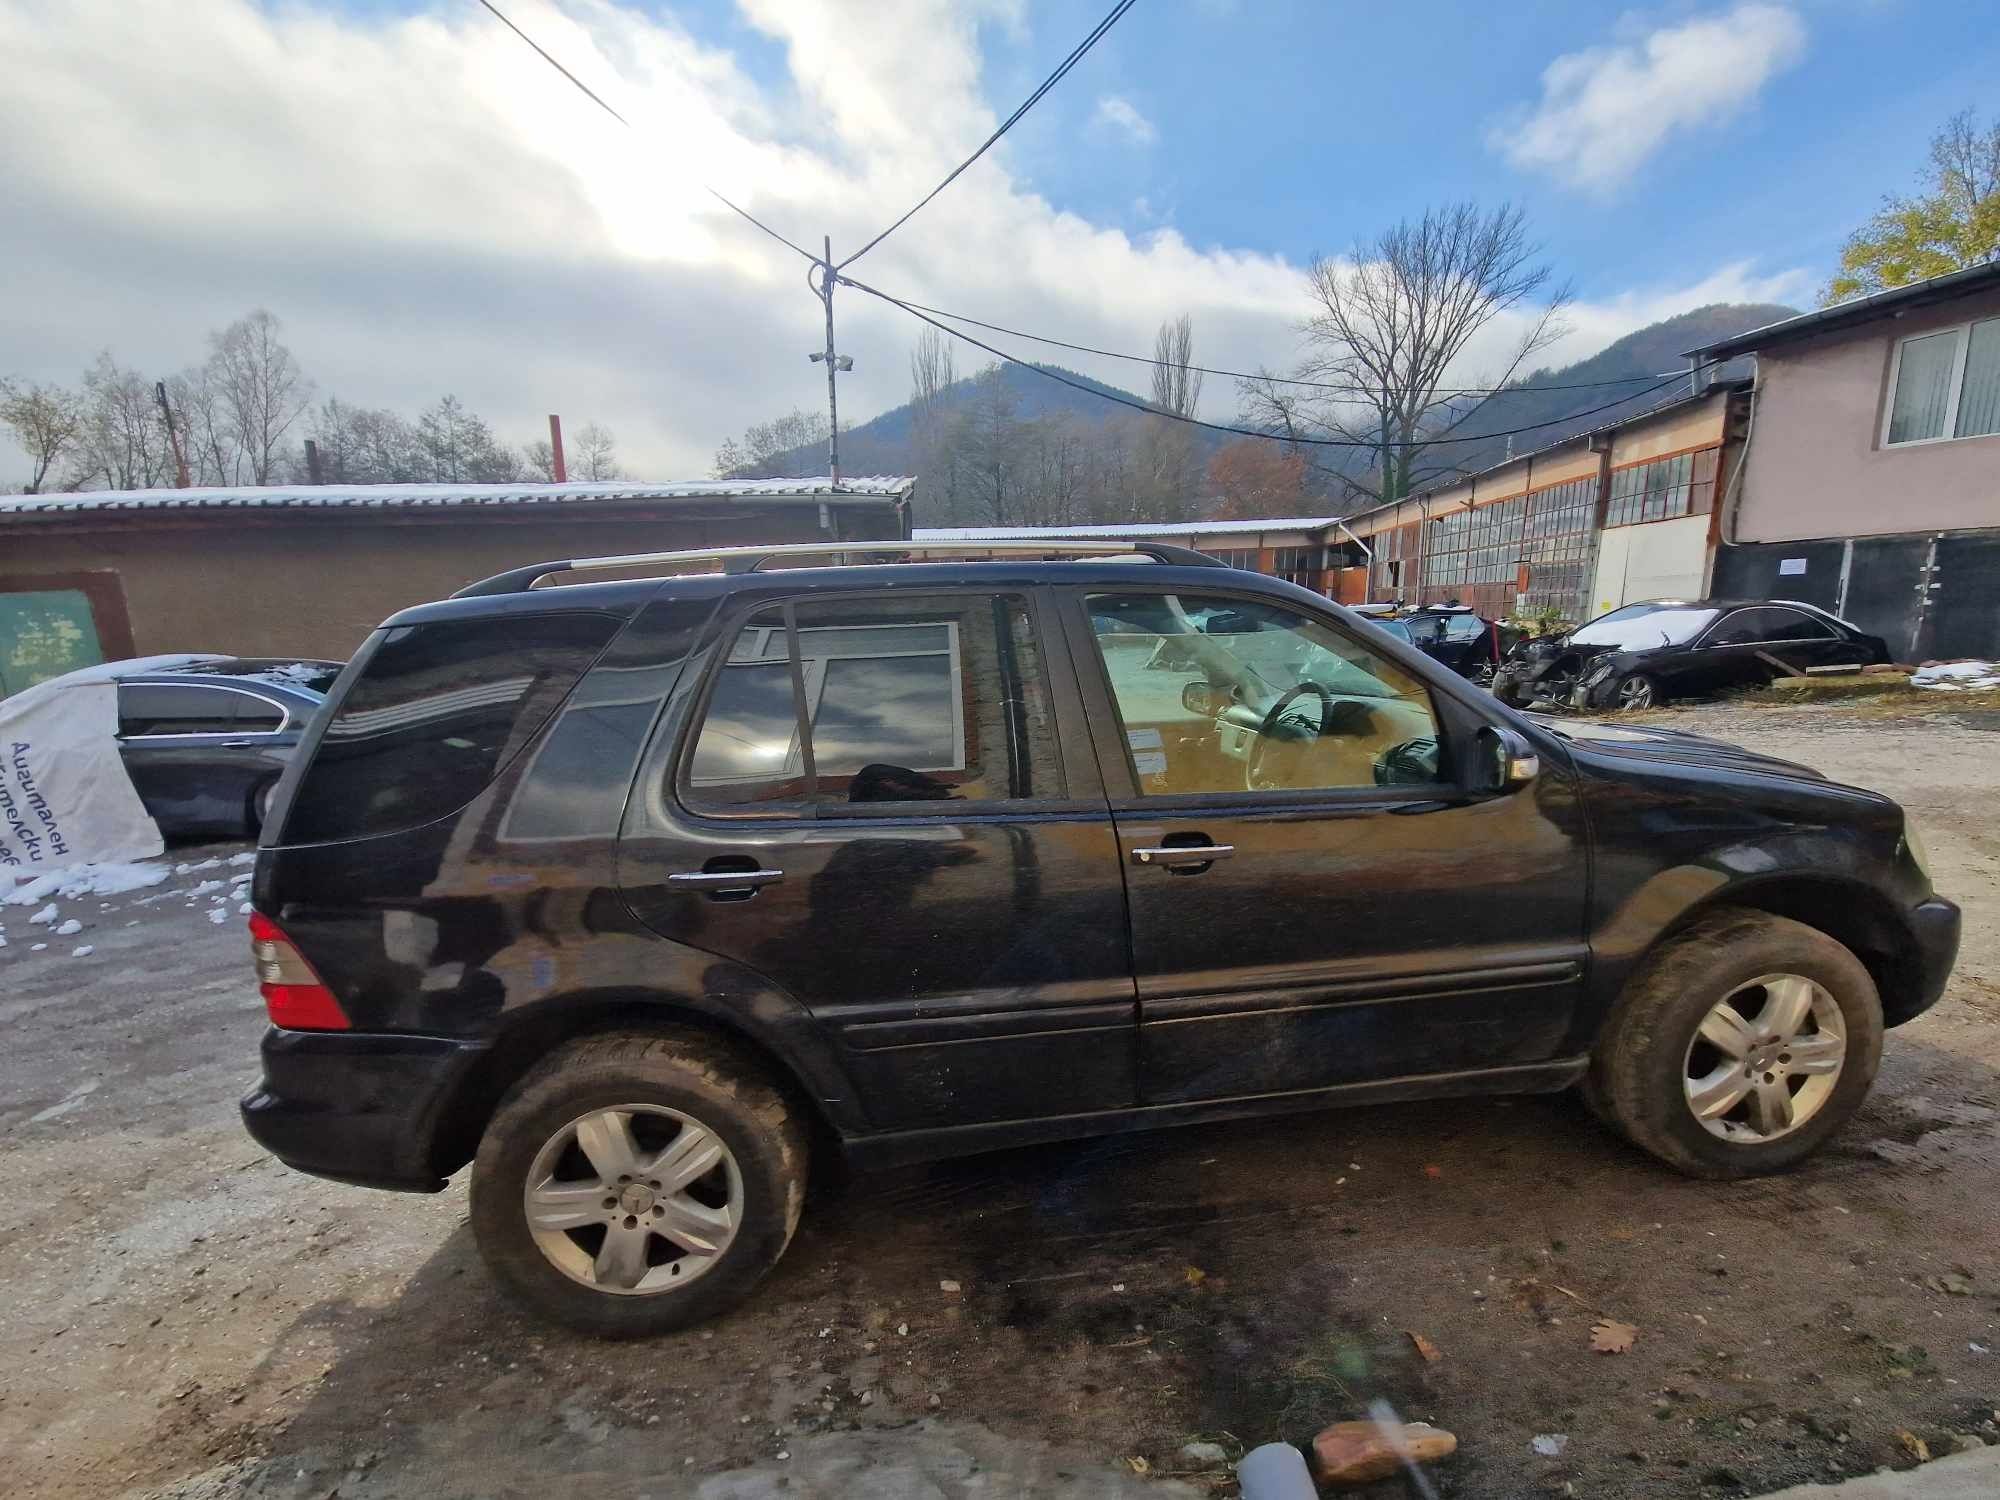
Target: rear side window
(869,700)
(145,710)
(437,710)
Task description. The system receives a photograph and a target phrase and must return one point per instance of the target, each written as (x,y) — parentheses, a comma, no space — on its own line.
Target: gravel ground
(187,1318)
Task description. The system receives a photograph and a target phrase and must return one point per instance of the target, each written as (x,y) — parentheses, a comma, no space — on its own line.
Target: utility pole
(834,362)
(557,466)
(173,434)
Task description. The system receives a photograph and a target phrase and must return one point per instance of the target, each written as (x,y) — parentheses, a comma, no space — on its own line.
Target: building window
(1300,565)
(1663,490)
(1945,385)
(1235,557)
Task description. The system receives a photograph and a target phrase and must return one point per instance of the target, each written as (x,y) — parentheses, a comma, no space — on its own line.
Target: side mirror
(1199,699)
(1503,762)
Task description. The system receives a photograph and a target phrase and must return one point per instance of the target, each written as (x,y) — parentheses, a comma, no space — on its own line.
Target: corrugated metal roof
(1160,530)
(1856,310)
(311,497)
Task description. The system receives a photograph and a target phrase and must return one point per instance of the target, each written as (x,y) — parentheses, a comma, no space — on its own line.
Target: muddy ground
(182,1316)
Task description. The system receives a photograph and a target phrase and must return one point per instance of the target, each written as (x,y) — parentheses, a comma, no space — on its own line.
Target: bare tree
(262,388)
(595,456)
(788,447)
(1176,383)
(541,457)
(455,446)
(207,428)
(1391,322)
(46,420)
(123,443)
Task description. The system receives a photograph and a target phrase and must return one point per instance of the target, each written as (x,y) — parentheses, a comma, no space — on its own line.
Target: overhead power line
(1076,55)
(1251,432)
(592,95)
(1318,385)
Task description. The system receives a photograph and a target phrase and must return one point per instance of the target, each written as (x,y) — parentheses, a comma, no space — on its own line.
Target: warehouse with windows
(1621,513)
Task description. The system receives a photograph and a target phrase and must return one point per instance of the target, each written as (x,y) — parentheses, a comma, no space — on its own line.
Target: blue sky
(427,207)
(1300,126)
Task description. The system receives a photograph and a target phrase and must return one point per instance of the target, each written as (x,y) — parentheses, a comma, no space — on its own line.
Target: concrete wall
(315,586)
(1658,560)
(1817,467)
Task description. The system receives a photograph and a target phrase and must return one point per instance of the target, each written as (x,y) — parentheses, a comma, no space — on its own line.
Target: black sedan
(1644,654)
(204,738)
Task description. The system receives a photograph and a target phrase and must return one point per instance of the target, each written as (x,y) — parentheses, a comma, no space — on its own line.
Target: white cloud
(1116,112)
(1605,110)
(430,208)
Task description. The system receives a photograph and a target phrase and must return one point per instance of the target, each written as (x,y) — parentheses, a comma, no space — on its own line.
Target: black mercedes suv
(637,895)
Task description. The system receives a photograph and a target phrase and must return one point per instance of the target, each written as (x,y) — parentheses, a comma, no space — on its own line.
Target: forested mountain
(1009,446)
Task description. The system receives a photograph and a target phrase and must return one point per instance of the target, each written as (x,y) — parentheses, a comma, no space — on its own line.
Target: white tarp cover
(65,797)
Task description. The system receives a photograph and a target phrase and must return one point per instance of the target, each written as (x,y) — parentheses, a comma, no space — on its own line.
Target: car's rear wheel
(1740,1046)
(639,1182)
(260,806)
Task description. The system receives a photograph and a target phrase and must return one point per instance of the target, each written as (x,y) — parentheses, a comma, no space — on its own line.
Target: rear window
(437,710)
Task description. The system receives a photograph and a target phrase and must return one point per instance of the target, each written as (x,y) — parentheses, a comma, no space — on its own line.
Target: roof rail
(751,559)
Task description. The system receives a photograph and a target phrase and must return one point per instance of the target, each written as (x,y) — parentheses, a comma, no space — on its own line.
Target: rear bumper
(1935,924)
(358,1107)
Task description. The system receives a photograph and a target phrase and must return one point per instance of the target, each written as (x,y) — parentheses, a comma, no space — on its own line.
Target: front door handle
(722,881)
(1175,856)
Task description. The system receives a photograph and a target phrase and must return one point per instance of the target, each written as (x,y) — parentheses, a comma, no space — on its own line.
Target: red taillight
(293,994)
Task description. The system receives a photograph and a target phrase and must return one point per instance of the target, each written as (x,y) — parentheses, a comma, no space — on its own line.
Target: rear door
(867,801)
(1314,900)
(196,752)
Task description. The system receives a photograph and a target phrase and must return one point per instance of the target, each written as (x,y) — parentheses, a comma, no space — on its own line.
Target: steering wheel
(1267,732)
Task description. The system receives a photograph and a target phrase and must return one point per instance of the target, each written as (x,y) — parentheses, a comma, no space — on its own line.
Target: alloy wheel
(634,1200)
(1635,692)
(1765,1059)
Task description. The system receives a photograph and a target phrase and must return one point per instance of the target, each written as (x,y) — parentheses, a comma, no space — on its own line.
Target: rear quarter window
(436,711)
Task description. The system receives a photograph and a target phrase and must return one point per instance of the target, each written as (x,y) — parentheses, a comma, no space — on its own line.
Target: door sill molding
(903,1147)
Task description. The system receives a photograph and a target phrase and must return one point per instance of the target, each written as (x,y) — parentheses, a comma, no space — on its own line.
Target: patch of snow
(69,928)
(43,917)
(109,879)
(218,915)
(243,859)
(205,887)
(245,909)
(37,947)
(207,864)
(83,952)
(1549,1444)
(1951,676)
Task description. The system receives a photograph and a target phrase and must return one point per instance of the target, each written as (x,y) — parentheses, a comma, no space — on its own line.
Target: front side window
(1237,695)
(872,700)
(1946,385)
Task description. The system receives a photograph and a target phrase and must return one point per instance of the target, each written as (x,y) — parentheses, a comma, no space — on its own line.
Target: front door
(1315,900)
(872,808)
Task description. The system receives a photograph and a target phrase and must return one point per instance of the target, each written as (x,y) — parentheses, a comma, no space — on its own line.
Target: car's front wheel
(1740,1046)
(638,1182)
(1635,691)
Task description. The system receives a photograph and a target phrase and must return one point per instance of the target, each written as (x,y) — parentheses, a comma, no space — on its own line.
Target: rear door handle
(724,880)
(1176,855)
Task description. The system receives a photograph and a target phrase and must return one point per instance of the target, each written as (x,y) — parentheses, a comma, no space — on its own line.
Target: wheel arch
(1852,913)
(556,1022)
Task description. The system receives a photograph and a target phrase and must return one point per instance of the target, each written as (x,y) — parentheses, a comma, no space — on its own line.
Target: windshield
(1395,627)
(1639,626)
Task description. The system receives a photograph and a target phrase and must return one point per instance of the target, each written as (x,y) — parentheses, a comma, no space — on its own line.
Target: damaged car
(1643,654)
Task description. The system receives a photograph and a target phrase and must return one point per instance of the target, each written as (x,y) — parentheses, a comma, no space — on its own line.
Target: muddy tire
(638,1182)
(1739,1046)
